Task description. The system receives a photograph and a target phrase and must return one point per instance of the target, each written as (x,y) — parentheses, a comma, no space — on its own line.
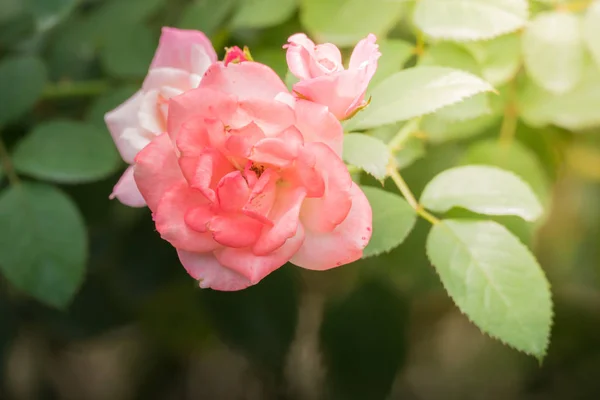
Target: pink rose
(323,78)
(247,178)
(180,61)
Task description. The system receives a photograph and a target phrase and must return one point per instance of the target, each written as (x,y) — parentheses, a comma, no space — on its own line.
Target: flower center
(258,169)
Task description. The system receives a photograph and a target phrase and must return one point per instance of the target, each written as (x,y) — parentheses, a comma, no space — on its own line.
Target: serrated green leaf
(394,54)
(513,157)
(591,30)
(440,130)
(482,189)
(368,153)
(553,51)
(128,54)
(66,152)
(499,59)
(464,20)
(345,22)
(495,281)
(48,13)
(393,219)
(43,242)
(417,91)
(22,81)
(262,13)
(206,15)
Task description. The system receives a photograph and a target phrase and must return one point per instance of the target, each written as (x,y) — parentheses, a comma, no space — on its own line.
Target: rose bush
(180,61)
(247,177)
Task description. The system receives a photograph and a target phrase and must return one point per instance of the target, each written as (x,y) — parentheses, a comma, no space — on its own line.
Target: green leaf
(463,20)
(10,9)
(67,152)
(574,110)
(345,22)
(128,54)
(513,157)
(417,91)
(274,57)
(411,149)
(482,189)
(48,13)
(206,15)
(262,13)
(591,30)
(21,84)
(368,153)
(394,54)
(553,51)
(440,130)
(43,243)
(495,281)
(393,219)
(498,59)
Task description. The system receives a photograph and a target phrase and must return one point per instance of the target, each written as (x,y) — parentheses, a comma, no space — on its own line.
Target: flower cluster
(241,175)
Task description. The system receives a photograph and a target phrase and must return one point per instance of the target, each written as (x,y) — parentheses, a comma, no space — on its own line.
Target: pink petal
(156,170)
(150,115)
(232,192)
(204,171)
(262,197)
(170,219)
(324,213)
(240,141)
(188,50)
(344,244)
(235,230)
(254,267)
(317,124)
(284,214)
(198,217)
(365,55)
(278,151)
(247,80)
(306,174)
(270,116)
(300,50)
(195,104)
(126,190)
(159,78)
(205,268)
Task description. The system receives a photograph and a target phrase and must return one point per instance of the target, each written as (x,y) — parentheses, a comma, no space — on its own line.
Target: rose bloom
(323,78)
(246,178)
(180,61)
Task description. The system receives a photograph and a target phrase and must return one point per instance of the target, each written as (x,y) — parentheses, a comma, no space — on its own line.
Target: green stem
(407,130)
(75,89)
(9,170)
(409,196)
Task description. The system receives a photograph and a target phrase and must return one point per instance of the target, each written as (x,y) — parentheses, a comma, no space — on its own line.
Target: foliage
(481,134)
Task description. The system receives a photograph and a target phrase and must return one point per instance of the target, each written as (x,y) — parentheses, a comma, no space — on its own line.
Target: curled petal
(344,244)
(204,171)
(156,170)
(121,118)
(205,268)
(126,190)
(365,55)
(317,124)
(170,218)
(235,230)
(300,49)
(189,50)
(324,213)
(262,196)
(233,192)
(254,267)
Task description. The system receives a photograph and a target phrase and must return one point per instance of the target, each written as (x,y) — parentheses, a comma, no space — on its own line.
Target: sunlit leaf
(495,281)
(470,19)
(368,153)
(417,91)
(482,189)
(591,30)
(554,51)
(498,59)
(394,54)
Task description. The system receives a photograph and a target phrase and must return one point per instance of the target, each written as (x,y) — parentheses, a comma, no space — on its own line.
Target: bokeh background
(381,328)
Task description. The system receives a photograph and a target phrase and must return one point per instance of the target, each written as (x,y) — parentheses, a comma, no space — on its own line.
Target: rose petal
(232,192)
(156,170)
(203,172)
(170,219)
(235,230)
(345,244)
(205,268)
(126,190)
(121,118)
(254,267)
(317,124)
(180,48)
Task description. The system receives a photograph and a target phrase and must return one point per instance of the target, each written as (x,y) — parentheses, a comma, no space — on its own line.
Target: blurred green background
(139,328)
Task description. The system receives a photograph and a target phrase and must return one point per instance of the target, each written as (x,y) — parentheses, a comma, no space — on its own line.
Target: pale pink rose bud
(247,178)
(180,61)
(323,78)
(236,55)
